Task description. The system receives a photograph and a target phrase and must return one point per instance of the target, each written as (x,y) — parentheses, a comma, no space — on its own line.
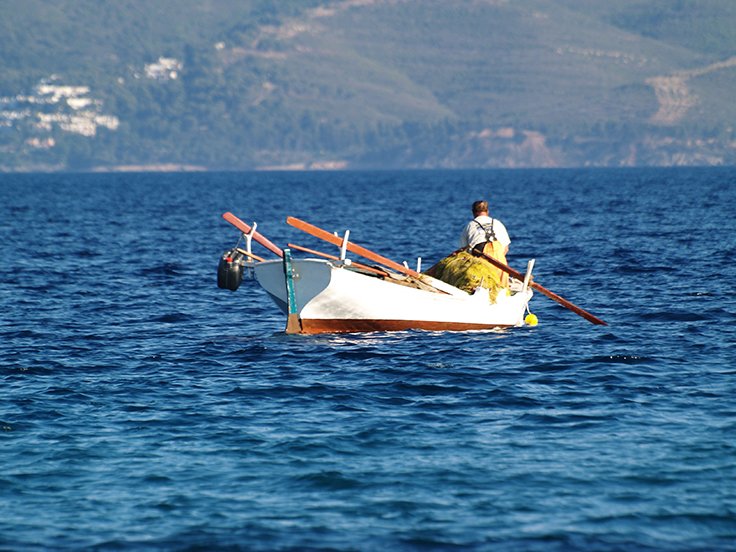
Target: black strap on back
(490,232)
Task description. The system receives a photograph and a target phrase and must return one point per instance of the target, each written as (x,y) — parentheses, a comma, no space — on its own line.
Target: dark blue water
(143,408)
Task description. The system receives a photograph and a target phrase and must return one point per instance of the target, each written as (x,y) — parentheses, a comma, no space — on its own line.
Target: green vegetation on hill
(260,83)
(705,26)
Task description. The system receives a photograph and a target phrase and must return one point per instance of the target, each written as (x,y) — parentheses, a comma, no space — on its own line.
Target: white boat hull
(330,298)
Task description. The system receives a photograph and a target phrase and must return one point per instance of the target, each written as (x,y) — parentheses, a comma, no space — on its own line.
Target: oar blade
(567,304)
(562,301)
(260,238)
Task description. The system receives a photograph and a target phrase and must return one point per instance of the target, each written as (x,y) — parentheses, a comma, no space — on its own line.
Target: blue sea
(143,408)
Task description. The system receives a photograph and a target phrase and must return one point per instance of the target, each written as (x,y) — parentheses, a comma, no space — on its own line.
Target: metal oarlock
(344,245)
(528,275)
(249,237)
(250,259)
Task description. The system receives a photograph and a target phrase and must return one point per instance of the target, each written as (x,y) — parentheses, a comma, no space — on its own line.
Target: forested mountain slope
(243,84)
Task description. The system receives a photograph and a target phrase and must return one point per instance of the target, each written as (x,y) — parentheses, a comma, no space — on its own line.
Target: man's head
(480,208)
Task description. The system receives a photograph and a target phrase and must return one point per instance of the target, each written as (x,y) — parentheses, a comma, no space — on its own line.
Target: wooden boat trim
(320,326)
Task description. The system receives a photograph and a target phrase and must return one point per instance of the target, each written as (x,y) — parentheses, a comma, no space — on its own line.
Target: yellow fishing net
(466,271)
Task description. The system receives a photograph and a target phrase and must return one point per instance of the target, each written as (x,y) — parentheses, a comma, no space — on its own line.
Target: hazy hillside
(366,83)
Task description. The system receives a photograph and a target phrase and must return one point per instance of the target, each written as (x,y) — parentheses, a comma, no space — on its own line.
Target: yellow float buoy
(531,320)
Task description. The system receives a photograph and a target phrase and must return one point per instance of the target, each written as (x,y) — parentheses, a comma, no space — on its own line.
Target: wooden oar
(260,238)
(251,255)
(353,247)
(336,258)
(432,284)
(564,302)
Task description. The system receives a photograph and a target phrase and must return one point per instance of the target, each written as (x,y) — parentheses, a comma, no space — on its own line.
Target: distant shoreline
(160,167)
(177,168)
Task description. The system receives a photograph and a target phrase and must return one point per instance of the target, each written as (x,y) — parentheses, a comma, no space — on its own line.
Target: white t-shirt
(474,233)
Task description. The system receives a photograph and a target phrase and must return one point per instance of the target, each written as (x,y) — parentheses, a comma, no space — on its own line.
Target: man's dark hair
(480,207)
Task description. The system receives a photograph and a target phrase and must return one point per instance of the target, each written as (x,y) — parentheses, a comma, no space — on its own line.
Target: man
(488,235)
(484,229)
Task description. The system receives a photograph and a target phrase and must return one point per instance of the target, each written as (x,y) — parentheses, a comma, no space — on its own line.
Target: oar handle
(562,301)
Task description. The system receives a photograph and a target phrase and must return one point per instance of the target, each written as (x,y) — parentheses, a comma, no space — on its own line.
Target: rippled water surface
(143,408)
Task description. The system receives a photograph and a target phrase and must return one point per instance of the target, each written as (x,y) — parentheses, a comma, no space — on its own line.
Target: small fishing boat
(334,294)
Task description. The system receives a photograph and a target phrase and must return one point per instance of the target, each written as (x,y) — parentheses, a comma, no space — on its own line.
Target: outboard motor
(230,270)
